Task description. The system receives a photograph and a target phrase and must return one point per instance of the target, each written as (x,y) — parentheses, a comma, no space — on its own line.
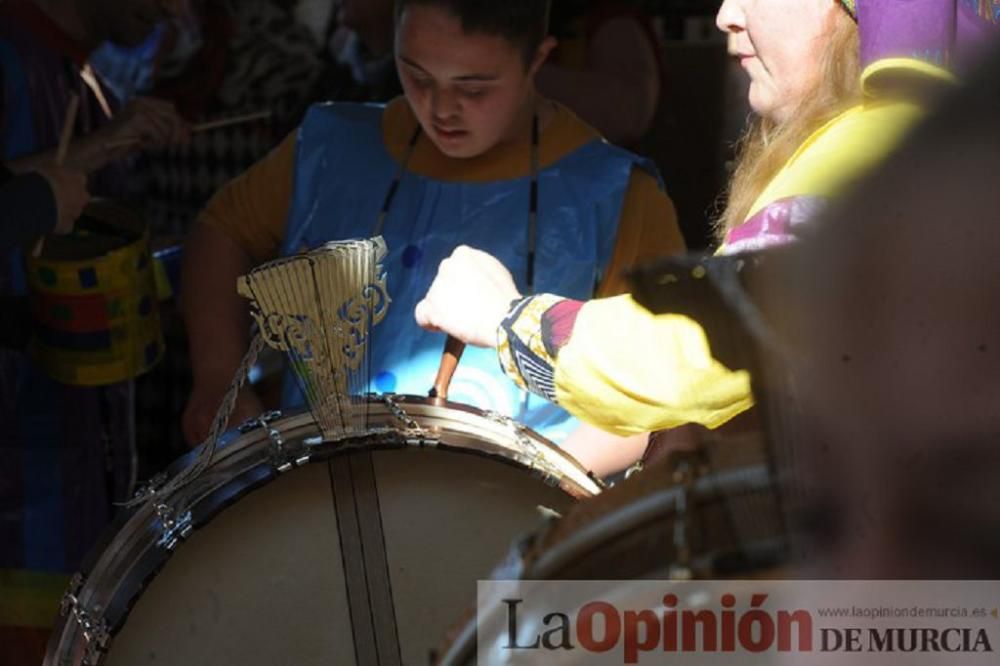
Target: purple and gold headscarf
(935,35)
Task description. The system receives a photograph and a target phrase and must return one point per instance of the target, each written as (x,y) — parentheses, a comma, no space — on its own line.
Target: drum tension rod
(255,422)
(173,529)
(93,626)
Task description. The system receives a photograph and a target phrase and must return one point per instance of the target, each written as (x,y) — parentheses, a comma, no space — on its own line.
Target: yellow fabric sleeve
(841,151)
(647,229)
(628,371)
(252,209)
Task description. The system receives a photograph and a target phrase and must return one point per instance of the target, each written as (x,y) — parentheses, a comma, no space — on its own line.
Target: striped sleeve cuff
(530,337)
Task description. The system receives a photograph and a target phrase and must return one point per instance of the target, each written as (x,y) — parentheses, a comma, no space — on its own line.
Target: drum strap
(366,565)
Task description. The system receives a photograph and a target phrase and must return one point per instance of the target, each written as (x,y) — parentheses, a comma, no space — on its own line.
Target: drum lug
(283,457)
(598,481)
(680,572)
(634,469)
(71,593)
(685,475)
(172,530)
(92,624)
(283,465)
(420,438)
(148,489)
(547,513)
(258,421)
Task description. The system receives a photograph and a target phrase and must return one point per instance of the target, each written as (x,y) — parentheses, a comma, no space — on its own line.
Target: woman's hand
(469,297)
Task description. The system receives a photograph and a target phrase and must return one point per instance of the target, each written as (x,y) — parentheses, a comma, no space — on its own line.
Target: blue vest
(342,174)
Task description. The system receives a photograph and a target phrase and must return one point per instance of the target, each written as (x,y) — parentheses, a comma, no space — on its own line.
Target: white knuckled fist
(469,297)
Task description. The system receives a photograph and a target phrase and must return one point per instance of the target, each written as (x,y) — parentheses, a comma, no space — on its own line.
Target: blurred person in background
(607,66)
(39,202)
(362,44)
(65,451)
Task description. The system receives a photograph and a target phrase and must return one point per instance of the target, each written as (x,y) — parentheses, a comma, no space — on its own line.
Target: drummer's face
(470,91)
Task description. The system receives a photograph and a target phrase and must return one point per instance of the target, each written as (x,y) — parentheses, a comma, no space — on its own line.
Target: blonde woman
(834,85)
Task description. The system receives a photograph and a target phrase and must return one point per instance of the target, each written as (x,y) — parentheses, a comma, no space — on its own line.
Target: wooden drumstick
(235,120)
(67,134)
(453,348)
(200,127)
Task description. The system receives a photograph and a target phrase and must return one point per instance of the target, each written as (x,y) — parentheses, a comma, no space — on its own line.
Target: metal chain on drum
(534,456)
(413,428)
(211,443)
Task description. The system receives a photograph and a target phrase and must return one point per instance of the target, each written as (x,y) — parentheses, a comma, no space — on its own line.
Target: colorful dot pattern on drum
(96,320)
(47,276)
(88,278)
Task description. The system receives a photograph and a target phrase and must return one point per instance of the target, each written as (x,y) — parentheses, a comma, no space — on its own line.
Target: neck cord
(390,195)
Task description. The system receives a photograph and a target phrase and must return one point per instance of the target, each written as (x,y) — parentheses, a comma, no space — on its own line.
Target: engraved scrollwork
(359,315)
(319,308)
(377,294)
(299,337)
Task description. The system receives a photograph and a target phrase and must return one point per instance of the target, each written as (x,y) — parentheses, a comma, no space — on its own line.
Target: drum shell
(96,320)
(132,576)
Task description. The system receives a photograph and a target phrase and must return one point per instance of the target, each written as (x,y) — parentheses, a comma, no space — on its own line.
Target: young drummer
(471,154)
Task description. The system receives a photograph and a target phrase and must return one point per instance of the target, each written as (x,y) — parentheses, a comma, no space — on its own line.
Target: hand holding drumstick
(143,124)
(469,297)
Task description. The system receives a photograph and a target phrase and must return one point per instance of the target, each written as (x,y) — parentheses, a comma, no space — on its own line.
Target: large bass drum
(291,549)
(715,511)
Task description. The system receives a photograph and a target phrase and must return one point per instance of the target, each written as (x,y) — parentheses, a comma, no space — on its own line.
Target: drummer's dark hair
(524,23)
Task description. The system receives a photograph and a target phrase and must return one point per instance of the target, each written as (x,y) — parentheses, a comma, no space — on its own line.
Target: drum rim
(139,237)
(130,554)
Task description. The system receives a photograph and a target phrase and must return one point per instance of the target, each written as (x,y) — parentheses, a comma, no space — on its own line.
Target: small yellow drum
(93,300)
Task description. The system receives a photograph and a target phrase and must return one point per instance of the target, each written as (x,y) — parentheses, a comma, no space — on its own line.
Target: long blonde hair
(767,145)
